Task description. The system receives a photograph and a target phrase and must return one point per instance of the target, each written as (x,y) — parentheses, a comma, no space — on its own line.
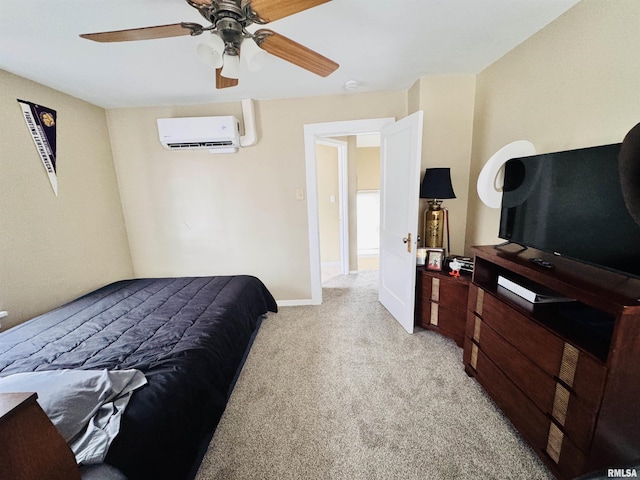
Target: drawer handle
(479,301)
(570,356)
(474,356)
(554,442)
(435,290)
(559,381)
(476,329)
(434,314)
(561,404)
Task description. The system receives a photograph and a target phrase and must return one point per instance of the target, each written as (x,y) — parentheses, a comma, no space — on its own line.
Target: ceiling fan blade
(224,82)
(293,52)
(271,10)
(145,33)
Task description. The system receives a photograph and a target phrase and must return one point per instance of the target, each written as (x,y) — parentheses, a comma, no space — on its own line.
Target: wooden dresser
(441,302)
(566,374)
(30,446)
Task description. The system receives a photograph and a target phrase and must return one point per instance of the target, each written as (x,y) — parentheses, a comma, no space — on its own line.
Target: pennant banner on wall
(41,122)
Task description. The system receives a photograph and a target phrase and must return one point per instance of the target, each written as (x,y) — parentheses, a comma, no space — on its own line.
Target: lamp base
(433,225)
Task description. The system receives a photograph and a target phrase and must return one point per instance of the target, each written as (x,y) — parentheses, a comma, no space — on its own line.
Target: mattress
(187,335)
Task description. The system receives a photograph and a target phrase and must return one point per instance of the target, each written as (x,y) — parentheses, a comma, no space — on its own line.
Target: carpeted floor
(341,391)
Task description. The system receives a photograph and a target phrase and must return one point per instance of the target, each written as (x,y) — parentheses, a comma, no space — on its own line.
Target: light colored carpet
(341,391)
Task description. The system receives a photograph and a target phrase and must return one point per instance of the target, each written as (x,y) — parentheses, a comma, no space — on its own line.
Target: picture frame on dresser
(435,259)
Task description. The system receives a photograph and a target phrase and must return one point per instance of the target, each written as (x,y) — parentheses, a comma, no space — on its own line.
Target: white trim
(295,303)
(311,133)
(343,197)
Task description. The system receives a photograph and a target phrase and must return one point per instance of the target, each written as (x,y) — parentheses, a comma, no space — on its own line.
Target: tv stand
(567,375)
(509,242)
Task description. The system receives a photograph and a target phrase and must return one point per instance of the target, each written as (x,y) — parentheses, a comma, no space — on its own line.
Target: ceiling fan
(229,36)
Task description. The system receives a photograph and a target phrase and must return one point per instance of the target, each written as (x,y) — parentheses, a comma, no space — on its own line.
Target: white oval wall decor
(490,180)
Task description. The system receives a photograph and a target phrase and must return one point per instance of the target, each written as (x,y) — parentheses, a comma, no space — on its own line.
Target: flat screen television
(571,203)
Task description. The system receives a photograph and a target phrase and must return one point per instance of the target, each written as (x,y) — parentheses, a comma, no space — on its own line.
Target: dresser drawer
(583,374)
(447,321)
(539,386)
(441,302)
(543,435)
(532,340)
(574,414)
(448,292)
(527,418)
(589,380)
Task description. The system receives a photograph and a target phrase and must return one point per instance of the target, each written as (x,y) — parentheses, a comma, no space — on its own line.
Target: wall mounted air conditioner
(216,134)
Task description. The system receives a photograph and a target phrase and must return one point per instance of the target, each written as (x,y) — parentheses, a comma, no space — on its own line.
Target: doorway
(333,206)
(348,177)
(400,156)
(312,133)
(367,199)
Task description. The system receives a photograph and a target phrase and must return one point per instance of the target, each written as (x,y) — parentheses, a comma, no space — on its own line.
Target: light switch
(299,194)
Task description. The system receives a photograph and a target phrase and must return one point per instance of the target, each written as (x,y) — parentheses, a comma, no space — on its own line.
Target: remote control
(542,263)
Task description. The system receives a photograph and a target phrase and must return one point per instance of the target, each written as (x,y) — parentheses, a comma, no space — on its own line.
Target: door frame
(343,199)
(313,132)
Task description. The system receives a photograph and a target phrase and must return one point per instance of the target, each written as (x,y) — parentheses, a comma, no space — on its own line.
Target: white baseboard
(330,264)
(295,303)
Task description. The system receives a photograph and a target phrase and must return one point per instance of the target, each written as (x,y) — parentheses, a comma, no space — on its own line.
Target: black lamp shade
(436,184)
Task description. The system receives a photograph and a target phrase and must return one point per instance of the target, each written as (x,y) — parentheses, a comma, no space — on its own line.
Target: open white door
(400,153)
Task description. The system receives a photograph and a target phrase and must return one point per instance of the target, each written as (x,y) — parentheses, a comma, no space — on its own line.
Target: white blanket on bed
(85,405)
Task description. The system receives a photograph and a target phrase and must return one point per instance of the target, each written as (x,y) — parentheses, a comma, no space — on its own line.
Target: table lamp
(436,186)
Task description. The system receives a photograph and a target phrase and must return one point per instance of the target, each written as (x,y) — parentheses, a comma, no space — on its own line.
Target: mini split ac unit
(216,134)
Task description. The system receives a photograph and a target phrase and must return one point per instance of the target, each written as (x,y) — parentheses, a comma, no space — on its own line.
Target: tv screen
(571,204)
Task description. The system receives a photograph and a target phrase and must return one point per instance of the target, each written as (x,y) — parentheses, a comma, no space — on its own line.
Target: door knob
(407,240)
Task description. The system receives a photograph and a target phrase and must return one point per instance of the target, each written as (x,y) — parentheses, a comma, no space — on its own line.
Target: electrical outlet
(299,194)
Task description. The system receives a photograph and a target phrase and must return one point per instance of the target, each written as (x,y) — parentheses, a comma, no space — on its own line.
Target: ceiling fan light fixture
(228,35)
(252,55)
(216,42)
(210,50)
(209,55)
(231,68)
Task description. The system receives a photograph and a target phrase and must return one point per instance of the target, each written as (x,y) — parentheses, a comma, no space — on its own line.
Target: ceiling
(381,44)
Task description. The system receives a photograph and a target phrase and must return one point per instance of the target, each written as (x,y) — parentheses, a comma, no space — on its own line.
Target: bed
(181,339)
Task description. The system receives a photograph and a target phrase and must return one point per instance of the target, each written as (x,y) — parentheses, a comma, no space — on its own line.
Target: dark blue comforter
(187,335)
